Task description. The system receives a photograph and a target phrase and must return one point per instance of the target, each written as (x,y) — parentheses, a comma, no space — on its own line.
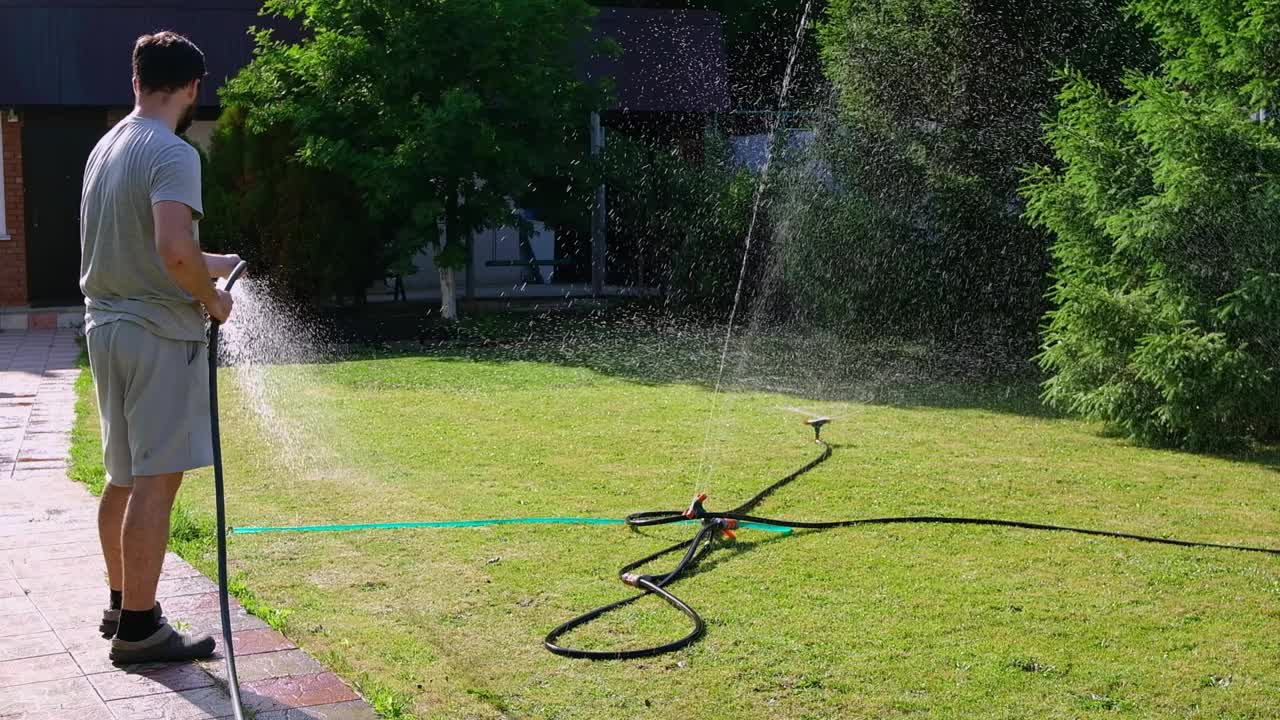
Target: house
(669,82)
(65,79)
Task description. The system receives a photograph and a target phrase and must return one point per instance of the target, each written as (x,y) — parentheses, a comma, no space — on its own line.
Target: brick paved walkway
(53,662)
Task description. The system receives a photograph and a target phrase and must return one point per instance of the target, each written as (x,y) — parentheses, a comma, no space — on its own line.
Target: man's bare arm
(220,266)
(176,244)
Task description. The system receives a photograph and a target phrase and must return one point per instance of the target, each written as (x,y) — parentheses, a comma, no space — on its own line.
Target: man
(145,283)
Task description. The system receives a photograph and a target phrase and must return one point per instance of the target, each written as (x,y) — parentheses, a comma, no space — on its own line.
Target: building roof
(76,52)
(672,60)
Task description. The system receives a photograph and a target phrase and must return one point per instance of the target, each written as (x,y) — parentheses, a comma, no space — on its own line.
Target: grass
(901,621)
(85,465)
(275,617)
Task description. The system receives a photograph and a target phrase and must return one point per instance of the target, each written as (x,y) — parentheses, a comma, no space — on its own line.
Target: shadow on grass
(990,374)
(722,553)
(1268,458)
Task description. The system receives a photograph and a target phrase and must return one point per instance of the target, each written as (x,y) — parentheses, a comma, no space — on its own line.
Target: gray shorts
(153,398)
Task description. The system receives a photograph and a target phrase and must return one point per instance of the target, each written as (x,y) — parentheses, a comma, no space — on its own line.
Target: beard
(188,117)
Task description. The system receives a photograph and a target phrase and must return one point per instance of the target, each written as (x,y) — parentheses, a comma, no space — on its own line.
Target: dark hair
(166,61)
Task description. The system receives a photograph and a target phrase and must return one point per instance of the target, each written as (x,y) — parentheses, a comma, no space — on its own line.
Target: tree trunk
(448,284)
(448,295)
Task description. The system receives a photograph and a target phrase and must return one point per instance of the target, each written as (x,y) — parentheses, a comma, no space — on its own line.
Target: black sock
(137,625)
(117,599)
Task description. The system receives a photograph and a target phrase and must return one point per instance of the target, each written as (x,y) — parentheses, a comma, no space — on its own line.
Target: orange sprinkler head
(695,507)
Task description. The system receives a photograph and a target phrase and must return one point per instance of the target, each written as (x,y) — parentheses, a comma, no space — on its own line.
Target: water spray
(757,202)
(224,603)
(715,529)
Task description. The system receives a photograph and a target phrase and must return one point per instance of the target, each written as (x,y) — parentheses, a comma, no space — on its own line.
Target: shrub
(1165,204)
(303,226)
(691,215)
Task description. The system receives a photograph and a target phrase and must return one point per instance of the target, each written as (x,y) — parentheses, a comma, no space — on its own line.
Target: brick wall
(13,252)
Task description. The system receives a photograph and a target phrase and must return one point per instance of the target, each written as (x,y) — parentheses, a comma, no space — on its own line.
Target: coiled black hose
(715,524)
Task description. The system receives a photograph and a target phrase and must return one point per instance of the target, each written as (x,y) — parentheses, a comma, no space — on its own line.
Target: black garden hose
(694,549)
(224,603)
(724,523)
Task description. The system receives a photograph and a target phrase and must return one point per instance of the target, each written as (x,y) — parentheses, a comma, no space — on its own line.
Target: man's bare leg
(111,512)
(143,635)
(146,535)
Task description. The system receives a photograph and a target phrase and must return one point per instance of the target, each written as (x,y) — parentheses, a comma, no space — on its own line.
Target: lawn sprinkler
(713,526)
(817,425)
(224,604)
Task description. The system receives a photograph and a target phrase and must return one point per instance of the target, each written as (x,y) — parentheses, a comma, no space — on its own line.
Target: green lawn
(923,621)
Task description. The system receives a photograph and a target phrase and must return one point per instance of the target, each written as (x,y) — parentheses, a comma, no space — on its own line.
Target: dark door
(54,151)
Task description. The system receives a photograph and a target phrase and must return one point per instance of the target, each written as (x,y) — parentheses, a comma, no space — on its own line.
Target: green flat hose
(465,524)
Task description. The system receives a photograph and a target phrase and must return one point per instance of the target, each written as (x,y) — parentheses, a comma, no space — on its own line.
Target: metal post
(532,273)
(599,216)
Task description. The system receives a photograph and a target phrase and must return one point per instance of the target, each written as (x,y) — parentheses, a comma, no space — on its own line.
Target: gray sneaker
(111,621)
(164,645)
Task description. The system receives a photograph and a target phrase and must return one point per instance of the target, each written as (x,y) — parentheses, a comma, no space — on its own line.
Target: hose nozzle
(235,275)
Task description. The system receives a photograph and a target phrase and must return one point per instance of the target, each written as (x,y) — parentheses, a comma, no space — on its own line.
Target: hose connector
(631,579)
(727,527)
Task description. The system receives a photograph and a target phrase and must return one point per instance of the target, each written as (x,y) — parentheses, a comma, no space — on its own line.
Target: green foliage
(191,534)
(940,105)
(440,109)
(836,252)
(386,702)
(301,225)
(692,212)
(1165,206)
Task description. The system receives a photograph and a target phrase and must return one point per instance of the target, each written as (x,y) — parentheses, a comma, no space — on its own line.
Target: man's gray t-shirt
(139,163)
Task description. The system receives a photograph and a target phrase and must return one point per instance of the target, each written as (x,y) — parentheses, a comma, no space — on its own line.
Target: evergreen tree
(1165,204)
